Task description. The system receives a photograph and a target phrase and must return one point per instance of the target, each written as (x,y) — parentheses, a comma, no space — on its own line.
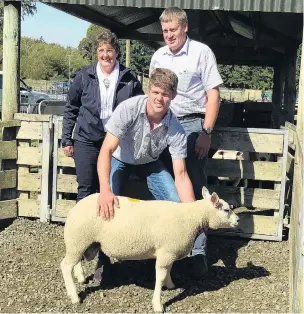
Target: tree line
(45,61)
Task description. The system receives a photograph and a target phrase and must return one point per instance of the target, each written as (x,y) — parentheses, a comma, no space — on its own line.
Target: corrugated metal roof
(295,6)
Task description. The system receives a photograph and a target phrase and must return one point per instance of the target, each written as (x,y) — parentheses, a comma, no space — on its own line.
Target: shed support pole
(11,59)
(290,92)
(128,53)
(277,94)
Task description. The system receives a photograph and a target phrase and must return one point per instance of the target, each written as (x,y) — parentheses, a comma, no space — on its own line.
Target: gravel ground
(31,281)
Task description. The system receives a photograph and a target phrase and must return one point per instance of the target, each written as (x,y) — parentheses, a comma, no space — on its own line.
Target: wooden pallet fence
(261,210)
(34,140)
(8,171)
(64,183)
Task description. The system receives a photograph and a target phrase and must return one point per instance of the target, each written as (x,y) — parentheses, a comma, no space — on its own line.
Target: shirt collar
(184,49)
(166,119)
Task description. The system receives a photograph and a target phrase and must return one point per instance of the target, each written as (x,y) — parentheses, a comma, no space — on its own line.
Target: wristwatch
(207,130)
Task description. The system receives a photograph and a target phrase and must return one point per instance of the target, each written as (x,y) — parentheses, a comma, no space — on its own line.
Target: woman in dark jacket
(92,97)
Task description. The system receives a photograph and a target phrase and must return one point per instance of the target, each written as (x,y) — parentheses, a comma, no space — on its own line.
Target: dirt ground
(244,276)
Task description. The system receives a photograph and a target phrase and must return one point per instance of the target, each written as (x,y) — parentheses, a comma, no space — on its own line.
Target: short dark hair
(106,36)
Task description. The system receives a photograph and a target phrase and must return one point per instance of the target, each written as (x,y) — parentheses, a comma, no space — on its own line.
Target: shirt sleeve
(210,75)
(152,64)
(177,140)
(120,121)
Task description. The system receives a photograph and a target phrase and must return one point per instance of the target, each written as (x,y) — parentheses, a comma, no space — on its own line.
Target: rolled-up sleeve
(177,140)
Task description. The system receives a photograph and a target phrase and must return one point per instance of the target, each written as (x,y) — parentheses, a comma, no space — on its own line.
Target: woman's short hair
(106,36)
(163,78)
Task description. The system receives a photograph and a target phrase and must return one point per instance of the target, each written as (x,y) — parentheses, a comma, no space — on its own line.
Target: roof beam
(142,23)
(263,28)
(83,12)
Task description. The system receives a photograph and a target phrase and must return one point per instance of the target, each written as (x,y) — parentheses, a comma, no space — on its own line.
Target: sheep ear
(205,193)
(214,199)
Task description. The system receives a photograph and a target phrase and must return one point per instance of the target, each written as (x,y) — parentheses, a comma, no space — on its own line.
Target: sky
(54,26)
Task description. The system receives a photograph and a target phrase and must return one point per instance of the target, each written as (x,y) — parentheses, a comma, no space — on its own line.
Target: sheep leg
(66,268)
(161,266)
(78,273)
(168,281)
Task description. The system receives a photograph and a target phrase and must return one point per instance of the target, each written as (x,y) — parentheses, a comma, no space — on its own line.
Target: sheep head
(221,214)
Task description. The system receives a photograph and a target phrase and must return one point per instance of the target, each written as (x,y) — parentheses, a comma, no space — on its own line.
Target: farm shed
(249,32)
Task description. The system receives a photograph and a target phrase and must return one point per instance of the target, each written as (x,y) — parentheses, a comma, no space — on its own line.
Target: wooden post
(277,94)
(296,233)
(128,53)
(290,92)
(11,59)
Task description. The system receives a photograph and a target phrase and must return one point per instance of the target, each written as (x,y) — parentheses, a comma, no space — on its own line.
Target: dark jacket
(83,103)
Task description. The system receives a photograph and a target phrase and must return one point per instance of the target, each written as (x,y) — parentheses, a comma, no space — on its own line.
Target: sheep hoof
(170,285)
(158,308)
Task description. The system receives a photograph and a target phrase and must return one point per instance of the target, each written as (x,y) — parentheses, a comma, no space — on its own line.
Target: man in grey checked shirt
(138,131)
(196,104)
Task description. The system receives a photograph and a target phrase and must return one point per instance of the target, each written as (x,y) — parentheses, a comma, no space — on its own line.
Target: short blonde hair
(174,13)
(163,78)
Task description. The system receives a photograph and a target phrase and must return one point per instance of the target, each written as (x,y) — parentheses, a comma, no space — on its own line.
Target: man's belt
(192,116)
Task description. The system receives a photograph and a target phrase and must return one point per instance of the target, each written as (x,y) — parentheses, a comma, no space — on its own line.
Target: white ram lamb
(161,230)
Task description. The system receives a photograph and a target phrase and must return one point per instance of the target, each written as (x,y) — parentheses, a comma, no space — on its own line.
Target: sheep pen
(244,276)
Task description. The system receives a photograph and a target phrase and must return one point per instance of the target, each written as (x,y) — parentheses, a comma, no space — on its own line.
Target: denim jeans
(159,180)
(196,170)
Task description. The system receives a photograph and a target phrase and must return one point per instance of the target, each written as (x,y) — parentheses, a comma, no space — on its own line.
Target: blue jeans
(195,168)
(159,180)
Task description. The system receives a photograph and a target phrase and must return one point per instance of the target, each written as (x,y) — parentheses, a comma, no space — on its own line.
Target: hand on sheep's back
(105,204)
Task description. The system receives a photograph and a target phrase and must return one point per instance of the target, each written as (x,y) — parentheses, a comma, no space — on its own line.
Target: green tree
(40,60)
(141,55)
(87,45)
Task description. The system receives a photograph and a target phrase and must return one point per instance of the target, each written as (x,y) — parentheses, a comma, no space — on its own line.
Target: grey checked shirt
(139,144)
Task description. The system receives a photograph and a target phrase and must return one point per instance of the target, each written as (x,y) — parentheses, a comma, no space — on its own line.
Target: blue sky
(54,26)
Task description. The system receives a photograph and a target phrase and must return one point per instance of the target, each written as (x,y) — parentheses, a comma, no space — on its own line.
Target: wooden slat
(248,142)
(29,181)
(28,208)
(8,179)
(9,124)
(8,209)
(30,130)
(64,161)
(30,156)
(66,183)
(257,198)
(255,224)
(33,117)
(45,170)
(60,129)
(63,207)
(256,170)
(292,133)
(8,150)
(290,165)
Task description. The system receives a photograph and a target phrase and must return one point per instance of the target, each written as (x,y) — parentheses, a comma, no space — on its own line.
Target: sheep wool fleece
(139,229)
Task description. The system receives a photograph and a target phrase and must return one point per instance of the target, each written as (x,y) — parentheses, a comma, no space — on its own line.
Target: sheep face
(225,217)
